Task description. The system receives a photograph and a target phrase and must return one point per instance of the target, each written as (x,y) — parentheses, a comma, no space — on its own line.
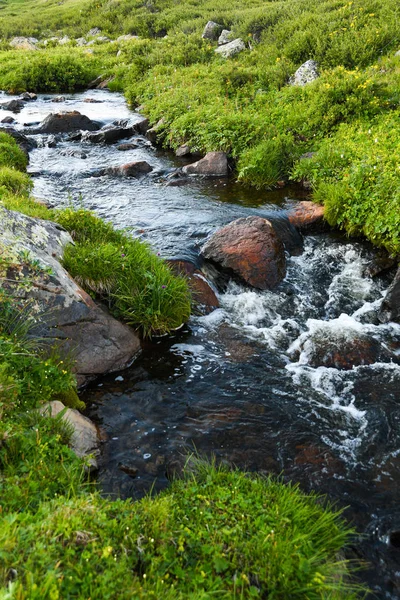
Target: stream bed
(241,383)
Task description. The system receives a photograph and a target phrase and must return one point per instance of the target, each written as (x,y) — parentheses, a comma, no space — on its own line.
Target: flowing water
(245,382)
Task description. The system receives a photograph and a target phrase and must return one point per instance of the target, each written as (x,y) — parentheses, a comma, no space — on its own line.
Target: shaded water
(240,383)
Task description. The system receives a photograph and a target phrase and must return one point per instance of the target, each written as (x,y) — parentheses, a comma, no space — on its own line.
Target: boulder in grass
(23,43)
(212,31)
(213,164)
(231,48)
(225,37)
(85,440)
(65,122)
(249,250)
(307,73)
(65,315)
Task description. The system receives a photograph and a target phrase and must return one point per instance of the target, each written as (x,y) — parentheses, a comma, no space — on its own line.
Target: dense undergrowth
(243,105)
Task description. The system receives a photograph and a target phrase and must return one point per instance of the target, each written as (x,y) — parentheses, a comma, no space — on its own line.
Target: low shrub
(13,182)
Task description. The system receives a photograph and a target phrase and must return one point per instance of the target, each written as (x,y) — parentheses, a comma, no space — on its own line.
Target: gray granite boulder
(212,31)
(307,73)
(225,37)
(65,315)
(231,48)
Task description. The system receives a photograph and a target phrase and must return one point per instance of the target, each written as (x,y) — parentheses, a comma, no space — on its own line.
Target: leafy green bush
(14,182)
(12,156)
(138,286)
(217,532)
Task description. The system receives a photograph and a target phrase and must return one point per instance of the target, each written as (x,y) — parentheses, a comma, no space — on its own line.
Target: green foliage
(356,175)
(14,182)
(24,204)
(138,286)
(217,532)
(11,154)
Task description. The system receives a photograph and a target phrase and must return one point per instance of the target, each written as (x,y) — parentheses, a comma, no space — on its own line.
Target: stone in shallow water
(65,122)
(250,250)
(213,164)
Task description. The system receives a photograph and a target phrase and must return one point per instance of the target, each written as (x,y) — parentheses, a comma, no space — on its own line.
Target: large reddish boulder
(249,250)
(203,296)
(213,164)
(307,216)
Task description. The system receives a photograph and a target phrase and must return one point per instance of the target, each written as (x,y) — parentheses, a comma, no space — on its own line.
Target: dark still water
(245,383)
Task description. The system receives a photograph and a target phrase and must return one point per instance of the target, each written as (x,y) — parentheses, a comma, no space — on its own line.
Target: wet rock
(66,316)
(85,439)
(307,73)
(152,135)
(307,216)
(8,120)
(225,37)
(51,141)
(141,126)
(66,122)
(239,349)
(381,262)
(96,82)
(58,99)
(25,143)
(231,48)
(74,153)
(249,250)
(390,309)
(28,96)
(107,136)
(92,101)
(103,85)
(212,31)
(203,296)
(213,164)
(343,350)
(126,147)
(133,169)
(23,43)
(13,105)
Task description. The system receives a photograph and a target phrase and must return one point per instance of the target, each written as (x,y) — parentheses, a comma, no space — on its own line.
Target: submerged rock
(305,74)
(390,309)
(231,48)
(213,164)
(65,122)
(307,216)
(66,316)
(212,31)
(8,120)
(107,136)
(85,440)
(133,169)
(250,250)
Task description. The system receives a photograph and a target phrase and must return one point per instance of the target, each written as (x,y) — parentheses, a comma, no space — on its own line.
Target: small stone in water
(119,378)
(146,456)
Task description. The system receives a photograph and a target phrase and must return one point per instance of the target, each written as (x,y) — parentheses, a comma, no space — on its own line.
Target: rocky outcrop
(65,122)
(305,74)
(390,309)
(133,169)
(203,296)
(249,250)
(23,43)
(212,31)
(231,48)
(85,440)
(307,216)
(66,316)
(213,164)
